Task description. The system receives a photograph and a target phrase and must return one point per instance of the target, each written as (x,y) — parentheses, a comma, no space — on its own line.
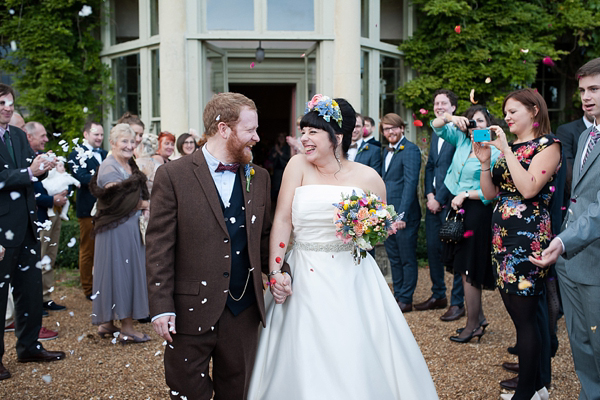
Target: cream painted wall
(346,61)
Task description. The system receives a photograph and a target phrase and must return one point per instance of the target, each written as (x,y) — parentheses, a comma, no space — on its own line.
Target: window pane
(391,21)
(290,15)
(125,21)
(364,18)
(312,75)
(364,87)
(154,17)
(156,83)
(390,80)
(234,15)
(126,73)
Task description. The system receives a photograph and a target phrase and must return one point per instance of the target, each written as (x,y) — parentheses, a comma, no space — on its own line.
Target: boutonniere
(249,172)
(362,149)
(400,148)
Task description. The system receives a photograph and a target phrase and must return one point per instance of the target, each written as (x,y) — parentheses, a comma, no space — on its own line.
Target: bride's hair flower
(326,107)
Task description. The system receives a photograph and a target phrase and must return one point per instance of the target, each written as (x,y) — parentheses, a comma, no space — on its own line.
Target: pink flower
(457,29)
(418,123)
(314,101)
(423,111)
(363,213)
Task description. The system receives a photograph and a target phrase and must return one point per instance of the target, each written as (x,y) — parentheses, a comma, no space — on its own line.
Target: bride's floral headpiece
(327,108)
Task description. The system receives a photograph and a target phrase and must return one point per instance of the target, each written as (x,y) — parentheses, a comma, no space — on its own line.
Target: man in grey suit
(401,167)
(362,152)
(579,244)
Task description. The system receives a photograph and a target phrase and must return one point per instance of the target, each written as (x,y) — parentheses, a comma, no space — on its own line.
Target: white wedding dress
(341,334)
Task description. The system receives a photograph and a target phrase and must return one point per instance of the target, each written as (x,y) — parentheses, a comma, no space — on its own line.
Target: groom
(207,242)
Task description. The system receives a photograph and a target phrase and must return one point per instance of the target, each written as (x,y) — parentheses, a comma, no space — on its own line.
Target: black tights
(553,311)
(522,311)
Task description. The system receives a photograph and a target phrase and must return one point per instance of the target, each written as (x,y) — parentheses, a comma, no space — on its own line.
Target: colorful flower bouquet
(364,220)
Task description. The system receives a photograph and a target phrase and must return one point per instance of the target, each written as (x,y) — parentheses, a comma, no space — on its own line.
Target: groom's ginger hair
(223,107)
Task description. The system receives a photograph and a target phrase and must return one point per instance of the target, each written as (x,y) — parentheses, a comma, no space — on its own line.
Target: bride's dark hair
(313,120)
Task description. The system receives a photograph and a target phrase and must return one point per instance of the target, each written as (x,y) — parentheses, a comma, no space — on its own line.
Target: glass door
(310,72)
(215,76)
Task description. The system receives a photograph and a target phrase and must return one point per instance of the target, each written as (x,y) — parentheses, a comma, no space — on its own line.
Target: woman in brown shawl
(120,291)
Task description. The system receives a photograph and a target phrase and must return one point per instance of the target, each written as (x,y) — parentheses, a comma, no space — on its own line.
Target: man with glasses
(401,167)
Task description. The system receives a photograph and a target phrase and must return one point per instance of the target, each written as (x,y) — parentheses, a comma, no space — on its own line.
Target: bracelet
(274,272)
(486,169)
(446,120)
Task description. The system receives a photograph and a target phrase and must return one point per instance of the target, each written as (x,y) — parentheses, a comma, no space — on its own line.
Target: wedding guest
(522,178)
(401,167)
(166,147)
(471,256)
(186,144)
(136,124)
(369,132)
(120,290)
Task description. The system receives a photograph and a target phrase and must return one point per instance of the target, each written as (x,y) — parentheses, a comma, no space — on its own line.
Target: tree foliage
(504,41)
(56,65)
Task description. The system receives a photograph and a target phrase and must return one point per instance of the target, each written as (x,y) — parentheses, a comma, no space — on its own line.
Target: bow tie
(97,150)
(229,167)
(391,149)
(354,146)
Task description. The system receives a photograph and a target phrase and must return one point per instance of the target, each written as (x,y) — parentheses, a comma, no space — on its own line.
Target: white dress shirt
(352,152)
(389,155)
(224,180)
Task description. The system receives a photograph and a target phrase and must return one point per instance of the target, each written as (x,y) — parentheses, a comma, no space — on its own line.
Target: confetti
(472,97)
(563,208)
(157,353)
(203,283)
(232,220)
(93,297)
(85,109)
(15,195)
(417,123)
(423,111)
(205,300)
(572,200)
(488,80)
(253,217)
(548,61)
(11,11)
(47,378)
(593,328)
(218,117)
(71,313)
(524,51)
(277,260)
(252,65)
(9,235)
(85,11)
(13,45)
(552,189)
(281,244)
(457,29)
(543,171)
(468,234)
(72,242)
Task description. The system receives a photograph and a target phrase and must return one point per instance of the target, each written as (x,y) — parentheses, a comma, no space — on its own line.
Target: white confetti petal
(47,378)
(205,300)
(72,242)
(13,45)
(15,195)
(232,219)
(71,313)
(157,353)
(93,297)
(203,283)
(253,218)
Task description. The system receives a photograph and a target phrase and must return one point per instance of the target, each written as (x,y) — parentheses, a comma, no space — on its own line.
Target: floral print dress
(521,227)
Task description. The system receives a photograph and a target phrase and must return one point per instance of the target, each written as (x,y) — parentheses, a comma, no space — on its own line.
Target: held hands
(550,255)
(165,326)
(432,204)
(282,288)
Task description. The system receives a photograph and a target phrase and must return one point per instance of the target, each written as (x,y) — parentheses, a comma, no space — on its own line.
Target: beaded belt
(324,247)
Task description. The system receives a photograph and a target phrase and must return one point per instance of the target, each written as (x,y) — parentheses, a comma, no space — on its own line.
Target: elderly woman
(166,147)
(137,125)
(120,291)
(145,162)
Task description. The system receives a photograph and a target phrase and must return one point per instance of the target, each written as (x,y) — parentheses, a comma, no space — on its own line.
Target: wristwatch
(466,193)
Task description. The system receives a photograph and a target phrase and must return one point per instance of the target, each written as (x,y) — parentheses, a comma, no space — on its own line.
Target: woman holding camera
(471,256)
(522,179)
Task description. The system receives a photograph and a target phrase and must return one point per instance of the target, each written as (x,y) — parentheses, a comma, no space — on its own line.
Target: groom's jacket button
(226,274)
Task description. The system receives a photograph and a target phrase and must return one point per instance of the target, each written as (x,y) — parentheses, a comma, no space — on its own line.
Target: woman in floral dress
(522,180)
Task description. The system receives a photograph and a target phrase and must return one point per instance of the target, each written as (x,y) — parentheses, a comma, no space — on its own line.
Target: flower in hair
(326,107)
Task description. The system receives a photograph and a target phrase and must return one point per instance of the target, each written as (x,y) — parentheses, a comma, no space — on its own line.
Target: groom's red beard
(237,149)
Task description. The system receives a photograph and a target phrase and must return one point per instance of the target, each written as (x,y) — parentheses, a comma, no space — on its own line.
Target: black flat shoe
(467,339)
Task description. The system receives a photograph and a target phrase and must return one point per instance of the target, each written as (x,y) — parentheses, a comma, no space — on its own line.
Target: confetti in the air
(488,80)
(418,123)
(15,195)
(72,242)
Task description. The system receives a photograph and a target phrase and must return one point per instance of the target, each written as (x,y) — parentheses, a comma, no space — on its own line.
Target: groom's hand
(282,288)
(164,326)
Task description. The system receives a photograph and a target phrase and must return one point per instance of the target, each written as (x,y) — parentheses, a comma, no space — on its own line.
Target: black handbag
(453,230)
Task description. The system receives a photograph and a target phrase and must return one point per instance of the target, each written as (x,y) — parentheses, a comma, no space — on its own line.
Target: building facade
(169,57)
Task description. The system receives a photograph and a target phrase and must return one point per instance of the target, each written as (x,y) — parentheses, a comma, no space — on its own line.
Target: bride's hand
(282,288)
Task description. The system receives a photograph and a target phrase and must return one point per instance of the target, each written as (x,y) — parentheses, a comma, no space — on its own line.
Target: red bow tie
(229,167)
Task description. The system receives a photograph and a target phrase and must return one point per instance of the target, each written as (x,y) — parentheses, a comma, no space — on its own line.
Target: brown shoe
(405,307)
(512,367)
(432,304)
(4,374)
(453,314)
(510,384)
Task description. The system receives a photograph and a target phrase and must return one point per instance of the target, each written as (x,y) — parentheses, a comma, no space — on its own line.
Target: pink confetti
(303,54)
(552,189)
(563,208)
(543,171)
(252,65)
(468,234)
(461,211)
(424,140)
(548,61)
(573,200)
(423,111)
(418,123)
(312,270)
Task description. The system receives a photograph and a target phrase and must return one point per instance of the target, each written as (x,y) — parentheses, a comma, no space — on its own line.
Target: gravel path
(97,369)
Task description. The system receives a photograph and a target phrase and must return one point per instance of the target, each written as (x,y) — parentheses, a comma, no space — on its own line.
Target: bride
(340,335)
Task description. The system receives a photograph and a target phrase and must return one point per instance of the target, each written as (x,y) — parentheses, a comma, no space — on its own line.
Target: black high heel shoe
(471,336)
(483,324)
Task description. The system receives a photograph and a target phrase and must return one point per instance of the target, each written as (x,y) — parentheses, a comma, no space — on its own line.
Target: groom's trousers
(232,345)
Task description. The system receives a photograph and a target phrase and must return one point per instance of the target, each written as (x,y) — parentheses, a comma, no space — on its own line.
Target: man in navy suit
(84,161)
(369,128)
(19,168)
(401,167)
(361,151)
(438,196)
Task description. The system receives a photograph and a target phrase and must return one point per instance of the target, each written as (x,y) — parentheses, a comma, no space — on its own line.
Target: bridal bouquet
(365,221)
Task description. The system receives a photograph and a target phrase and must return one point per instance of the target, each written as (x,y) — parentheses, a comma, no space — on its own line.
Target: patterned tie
(594,136)
(354,146)
(391,149)
(9,145)
(229,167)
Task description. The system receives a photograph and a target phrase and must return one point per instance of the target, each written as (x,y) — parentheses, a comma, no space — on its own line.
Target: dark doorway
(274,103)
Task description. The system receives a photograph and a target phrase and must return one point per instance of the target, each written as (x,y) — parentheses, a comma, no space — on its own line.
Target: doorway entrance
(274,103)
